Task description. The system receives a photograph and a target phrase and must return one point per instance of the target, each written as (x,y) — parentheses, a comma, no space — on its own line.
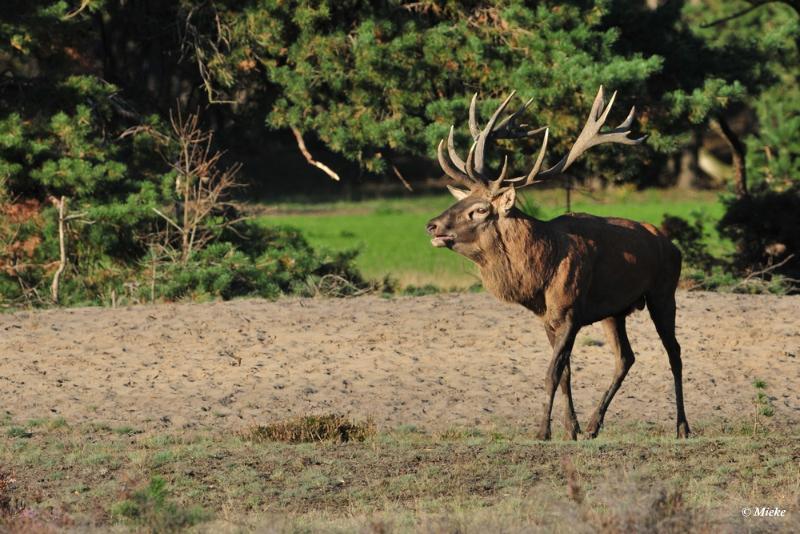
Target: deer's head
(470,224)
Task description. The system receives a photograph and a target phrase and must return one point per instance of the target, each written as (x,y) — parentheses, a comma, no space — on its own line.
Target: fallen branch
(321,166)
(333,285)
(767,270)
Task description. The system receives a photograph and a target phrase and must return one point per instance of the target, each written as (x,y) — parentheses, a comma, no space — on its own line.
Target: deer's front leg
(571,424)
(562,348)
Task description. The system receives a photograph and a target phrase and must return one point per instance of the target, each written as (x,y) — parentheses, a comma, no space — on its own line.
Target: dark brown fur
(571,271)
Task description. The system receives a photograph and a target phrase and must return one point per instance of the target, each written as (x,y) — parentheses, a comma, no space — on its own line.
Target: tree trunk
(738,151)
(688,165)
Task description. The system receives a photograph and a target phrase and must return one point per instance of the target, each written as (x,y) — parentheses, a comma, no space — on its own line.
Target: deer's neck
(517,262)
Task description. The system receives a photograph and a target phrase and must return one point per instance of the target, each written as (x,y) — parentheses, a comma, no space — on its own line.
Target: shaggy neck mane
(516,262)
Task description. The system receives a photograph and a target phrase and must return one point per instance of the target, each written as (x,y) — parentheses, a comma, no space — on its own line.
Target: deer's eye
(481,211)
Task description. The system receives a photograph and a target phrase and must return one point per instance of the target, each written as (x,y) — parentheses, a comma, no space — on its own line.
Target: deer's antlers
(472,173)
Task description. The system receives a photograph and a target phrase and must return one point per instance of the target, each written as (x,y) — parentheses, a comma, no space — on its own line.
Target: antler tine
(470,166)
(507,129)
(451,150)
(590,134)
(624,125)
(486,133)
(530,178)
(454,173)
(470,173)
(474,129)
(495,185)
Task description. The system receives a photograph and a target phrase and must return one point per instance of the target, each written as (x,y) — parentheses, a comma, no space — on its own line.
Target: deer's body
(595,267)
(572,271)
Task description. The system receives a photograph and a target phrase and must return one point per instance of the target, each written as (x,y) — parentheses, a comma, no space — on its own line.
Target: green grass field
(391,238)
(93,477)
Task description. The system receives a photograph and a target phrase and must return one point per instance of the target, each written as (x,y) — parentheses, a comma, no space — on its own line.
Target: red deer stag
(571,271)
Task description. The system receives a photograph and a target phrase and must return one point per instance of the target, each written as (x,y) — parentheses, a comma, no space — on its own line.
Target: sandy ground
(433,361)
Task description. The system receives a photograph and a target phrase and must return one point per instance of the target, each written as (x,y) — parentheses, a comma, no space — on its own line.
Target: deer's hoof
(543,434)
(593,429)
(573,429)
(683,430)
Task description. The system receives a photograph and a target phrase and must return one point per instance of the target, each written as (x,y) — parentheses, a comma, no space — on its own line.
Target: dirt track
(431,361)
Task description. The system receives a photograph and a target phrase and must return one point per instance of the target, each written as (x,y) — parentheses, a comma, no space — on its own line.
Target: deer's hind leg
(624,358)
(662,312)
(571,424)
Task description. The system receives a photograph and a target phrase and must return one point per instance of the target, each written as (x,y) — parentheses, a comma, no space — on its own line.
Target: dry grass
(631,479)
(311,428)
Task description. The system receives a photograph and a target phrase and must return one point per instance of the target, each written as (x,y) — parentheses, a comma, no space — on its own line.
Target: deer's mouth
(443,240)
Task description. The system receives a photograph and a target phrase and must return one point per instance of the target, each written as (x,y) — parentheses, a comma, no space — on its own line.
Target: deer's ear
(458,193)
(505,201)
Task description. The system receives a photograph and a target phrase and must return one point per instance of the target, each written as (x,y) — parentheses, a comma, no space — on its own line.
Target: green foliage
(762,402)
(773,153)
(421,291)
(689,237)
(375,80)
(273,261)
(387,78)
(117,182)
(18,432)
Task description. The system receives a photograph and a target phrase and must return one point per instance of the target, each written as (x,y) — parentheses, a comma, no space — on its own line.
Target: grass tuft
(149,508)
(311,428)
(126,431)
(587,341)
(19,432)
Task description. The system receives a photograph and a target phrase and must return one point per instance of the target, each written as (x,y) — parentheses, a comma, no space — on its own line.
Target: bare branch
(741,13)
(76,12)
(62,247)
(170,221)
(321,166)
(402,180)
(767,270)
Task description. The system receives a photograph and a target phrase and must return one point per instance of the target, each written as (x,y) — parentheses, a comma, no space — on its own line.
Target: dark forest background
(130,130)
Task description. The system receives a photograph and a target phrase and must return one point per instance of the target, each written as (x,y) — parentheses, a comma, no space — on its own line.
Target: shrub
(136,228)
(688,236)
(421,291)
(765,227)
(330,427)
(268,263)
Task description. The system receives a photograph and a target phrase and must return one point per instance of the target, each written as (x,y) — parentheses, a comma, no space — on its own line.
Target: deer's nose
(432,227)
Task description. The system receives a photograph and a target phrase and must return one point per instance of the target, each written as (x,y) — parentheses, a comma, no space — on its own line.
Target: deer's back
(610,264)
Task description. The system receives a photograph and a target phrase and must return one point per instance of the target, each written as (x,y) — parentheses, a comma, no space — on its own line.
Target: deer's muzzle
(441,237)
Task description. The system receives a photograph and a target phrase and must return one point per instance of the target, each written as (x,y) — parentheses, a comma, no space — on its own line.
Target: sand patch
(462,359)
